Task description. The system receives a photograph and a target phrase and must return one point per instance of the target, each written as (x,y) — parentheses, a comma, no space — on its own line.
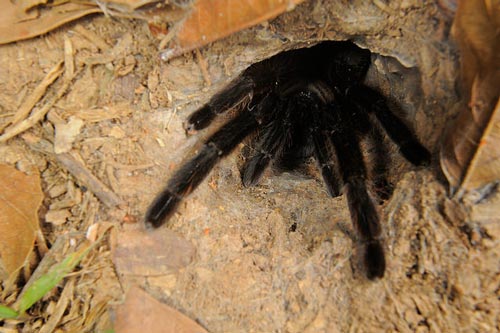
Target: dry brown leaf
(26,5)
(210,20)
(16,23)
(471,155)
(142,313)
(20,198)
(150,253)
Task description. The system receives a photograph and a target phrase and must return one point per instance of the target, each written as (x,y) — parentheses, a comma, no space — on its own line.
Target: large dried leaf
(143,313)
(210,20)
(20,198)
(17,23)
(470,155)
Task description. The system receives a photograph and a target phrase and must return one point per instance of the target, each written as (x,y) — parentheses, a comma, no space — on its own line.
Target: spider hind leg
(396,129)
(374,260)
(366,220)
(361,207)
(381,185)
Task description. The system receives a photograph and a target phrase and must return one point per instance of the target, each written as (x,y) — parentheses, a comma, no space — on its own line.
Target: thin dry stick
(37,94)
(92,37)
(204,67)
(167,125)
(85,177)
(69,63)
(37,115)
(61,306)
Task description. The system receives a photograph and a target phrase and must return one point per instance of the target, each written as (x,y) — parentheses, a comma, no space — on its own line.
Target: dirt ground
(279,257)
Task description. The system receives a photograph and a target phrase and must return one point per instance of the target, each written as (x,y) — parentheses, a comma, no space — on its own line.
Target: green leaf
(7,312)
(51,279)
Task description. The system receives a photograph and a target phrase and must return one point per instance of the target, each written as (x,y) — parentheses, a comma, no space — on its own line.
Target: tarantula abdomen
(304,103)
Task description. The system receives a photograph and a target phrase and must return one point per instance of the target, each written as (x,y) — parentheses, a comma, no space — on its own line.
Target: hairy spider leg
(258,79)
(238,93)
(408,144)
(366,126)
(272,140)
(324,156)
(361,207)
(380,154)
(300,146)
(192,173)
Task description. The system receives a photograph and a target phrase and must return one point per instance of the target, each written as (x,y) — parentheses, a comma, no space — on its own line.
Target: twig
(92,37)
(84,176)
(204,67)
(69,63)
(60,308)
(167,125)
(37,115)
(37,94)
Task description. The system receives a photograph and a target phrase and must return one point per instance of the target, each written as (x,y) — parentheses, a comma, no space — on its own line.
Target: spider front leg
(238,92)
(258,79)
(190,175)
(272,139)
(363,213)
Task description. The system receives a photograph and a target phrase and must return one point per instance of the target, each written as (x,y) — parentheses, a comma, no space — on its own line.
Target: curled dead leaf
(470,157)
(30,18)
(210,20)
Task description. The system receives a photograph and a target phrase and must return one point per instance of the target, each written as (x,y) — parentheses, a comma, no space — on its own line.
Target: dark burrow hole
(303,104)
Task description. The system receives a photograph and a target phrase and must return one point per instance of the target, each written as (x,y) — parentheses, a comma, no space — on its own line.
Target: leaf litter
(248,271)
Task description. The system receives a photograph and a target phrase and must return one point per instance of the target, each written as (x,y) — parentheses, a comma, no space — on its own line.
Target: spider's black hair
(303,103)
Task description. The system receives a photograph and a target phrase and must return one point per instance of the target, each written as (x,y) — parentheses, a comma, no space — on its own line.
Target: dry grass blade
(38,114)
(62,305)
(37,93)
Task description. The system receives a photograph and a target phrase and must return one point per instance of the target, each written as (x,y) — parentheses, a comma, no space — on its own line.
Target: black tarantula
(303,103)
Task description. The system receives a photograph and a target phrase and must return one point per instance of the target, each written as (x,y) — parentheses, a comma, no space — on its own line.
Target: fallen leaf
(150,253)
(210,20)
(143,313)
(15,24)
(20,198)
(18,23)
(470,157)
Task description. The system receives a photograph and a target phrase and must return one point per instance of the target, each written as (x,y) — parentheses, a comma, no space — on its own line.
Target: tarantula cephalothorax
(303,103)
